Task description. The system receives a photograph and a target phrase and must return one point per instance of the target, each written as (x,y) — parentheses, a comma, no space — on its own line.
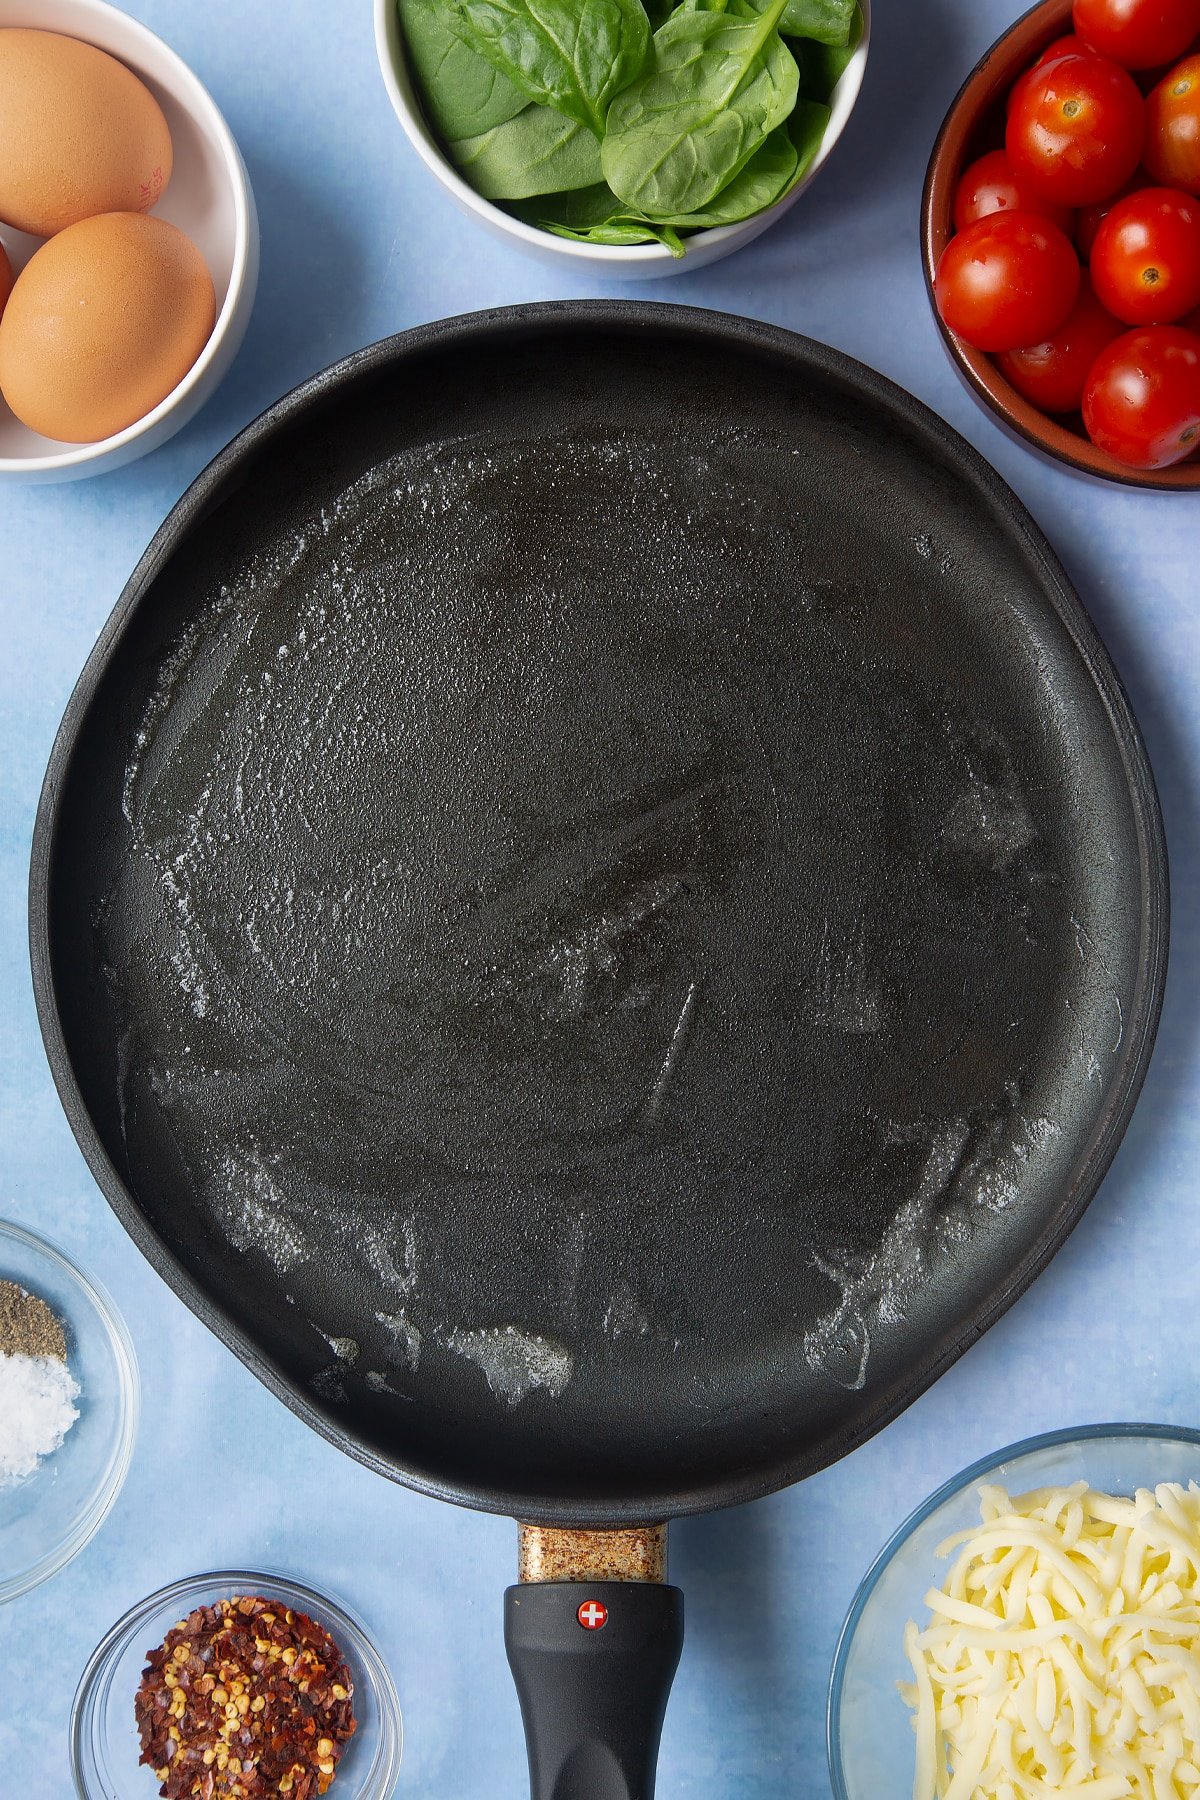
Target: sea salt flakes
(37,1409)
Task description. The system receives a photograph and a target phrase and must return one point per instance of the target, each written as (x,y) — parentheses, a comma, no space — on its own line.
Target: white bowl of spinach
(649,136)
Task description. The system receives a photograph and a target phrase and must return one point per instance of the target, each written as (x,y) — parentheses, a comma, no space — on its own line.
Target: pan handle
(593,1662)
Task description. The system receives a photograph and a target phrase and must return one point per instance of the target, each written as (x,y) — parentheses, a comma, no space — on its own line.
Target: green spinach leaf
(823,21)
(772,172)
(717,87)
(595,205)
(573,55)
(538,152)
(589,211)
(594,215)
(623,232)
(461,92)
(806,128)
(823,65)
(766,177)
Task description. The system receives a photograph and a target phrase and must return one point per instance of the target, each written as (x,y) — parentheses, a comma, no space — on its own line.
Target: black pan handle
(593,1663)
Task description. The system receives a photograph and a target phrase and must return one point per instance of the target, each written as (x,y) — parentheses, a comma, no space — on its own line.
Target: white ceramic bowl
(208,197)
(637,262)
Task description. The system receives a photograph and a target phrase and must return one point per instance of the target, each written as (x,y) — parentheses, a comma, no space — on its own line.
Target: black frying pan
(599,912)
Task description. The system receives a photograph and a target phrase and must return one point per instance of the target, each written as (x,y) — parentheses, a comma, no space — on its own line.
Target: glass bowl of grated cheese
(68,1408)
(1032,1629)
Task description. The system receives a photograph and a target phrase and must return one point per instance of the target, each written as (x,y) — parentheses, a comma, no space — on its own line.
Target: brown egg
(79,134)
(103,322)
(6,278)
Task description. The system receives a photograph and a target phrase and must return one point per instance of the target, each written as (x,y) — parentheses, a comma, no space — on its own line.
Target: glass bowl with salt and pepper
(68,1408)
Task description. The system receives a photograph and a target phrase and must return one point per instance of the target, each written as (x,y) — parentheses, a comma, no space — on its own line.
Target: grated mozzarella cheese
(1061,1659)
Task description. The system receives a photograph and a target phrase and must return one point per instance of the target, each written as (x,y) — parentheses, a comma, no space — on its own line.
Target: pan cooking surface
(597,911)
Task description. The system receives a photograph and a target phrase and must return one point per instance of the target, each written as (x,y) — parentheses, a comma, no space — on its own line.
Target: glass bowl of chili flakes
(105,1743)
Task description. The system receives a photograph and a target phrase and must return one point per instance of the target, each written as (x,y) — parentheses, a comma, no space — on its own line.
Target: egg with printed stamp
(80,134)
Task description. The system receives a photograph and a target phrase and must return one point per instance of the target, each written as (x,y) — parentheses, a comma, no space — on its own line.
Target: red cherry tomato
(1071,45)
(1062,46)
(1054,374)
(1009,279)
(1173,127)
(1076,129)
(1090,218)
(1146,257)
(989,186)
(1139,34)
(1142,400)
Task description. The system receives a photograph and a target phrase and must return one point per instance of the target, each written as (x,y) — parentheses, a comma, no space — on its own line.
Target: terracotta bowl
(975,123)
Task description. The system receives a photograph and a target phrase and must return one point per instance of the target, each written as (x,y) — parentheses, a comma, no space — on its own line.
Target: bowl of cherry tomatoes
(1061,236)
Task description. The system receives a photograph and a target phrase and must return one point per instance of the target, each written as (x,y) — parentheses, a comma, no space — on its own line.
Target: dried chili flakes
(243,1700)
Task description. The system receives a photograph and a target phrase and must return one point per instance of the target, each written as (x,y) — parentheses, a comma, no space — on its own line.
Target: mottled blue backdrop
(358,242)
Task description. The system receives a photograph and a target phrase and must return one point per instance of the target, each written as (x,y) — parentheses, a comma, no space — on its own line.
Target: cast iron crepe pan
(598,911)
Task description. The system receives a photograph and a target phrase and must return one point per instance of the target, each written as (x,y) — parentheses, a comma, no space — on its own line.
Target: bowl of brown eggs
(128,240)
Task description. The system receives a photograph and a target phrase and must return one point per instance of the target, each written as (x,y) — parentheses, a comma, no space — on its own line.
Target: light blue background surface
(358,242)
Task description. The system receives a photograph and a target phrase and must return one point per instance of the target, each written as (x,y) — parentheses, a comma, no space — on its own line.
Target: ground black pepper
(28,1327)
(243,1700)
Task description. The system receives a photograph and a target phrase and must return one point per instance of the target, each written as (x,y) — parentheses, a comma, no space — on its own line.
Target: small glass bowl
(104,1738)
(47,1518)
(870,1739)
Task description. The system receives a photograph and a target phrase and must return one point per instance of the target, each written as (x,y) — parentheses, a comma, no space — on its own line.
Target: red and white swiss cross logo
(592,1615)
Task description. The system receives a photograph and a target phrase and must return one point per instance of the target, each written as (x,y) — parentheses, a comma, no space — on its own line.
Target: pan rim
(722,330)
